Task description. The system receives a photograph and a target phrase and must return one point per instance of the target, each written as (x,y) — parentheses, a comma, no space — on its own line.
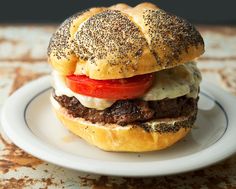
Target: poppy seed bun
(122,41)
(130,138)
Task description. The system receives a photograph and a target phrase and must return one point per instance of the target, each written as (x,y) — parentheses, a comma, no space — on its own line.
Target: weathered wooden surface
(23,58)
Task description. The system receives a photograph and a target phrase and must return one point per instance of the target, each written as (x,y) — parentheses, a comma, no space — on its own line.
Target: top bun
(123,41)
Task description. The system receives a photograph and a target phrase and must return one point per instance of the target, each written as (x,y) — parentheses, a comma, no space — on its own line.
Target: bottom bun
(130,138)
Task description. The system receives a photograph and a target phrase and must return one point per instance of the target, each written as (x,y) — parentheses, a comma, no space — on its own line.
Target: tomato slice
(128,88)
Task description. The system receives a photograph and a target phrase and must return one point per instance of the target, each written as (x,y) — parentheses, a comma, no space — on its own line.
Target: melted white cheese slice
(175,82)
(169,83)
(87,101)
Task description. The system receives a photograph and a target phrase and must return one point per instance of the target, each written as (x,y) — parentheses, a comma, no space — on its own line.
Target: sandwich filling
(124,112)
(174,93)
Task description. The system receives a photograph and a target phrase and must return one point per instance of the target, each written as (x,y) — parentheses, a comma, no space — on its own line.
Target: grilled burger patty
(123,112)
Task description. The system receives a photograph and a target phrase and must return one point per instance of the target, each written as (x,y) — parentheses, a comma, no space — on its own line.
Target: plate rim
(111,168)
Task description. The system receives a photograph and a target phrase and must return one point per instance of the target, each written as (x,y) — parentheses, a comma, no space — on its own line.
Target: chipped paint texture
(23,58)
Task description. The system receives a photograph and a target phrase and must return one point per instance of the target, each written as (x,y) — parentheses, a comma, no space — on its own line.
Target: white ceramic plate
(29,122)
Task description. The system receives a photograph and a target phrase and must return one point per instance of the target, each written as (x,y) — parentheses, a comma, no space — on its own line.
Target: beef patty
(123,112)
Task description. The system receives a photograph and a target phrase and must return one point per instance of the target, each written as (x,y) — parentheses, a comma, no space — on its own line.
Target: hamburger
(125,78)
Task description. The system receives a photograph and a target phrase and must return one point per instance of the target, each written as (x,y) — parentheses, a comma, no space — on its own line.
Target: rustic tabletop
(23,58)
